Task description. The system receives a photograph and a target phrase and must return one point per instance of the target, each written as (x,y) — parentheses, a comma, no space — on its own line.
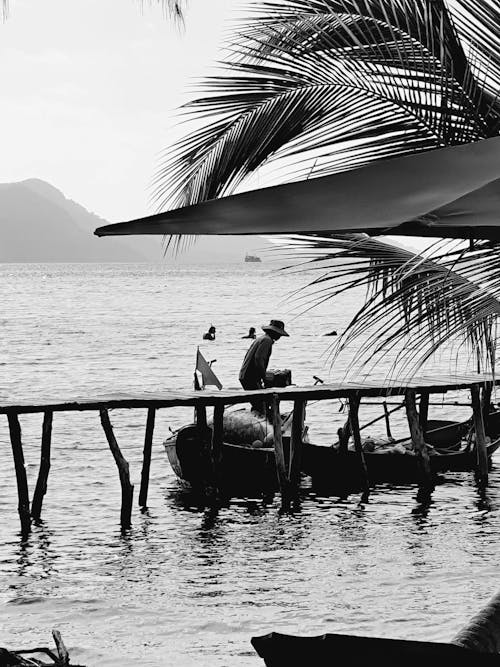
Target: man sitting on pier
(255,363)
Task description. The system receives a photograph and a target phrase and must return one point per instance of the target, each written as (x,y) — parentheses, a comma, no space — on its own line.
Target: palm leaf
(172,8)
(414,305)
(308,78)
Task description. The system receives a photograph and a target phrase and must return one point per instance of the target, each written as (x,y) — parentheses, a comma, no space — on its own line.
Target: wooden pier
(416,393)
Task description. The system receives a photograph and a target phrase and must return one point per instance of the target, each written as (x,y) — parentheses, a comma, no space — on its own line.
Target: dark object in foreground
(478,643)
(455,195)
(16,659)
(279,650)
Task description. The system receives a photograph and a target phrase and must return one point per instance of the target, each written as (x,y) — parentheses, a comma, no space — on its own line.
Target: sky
(90,90)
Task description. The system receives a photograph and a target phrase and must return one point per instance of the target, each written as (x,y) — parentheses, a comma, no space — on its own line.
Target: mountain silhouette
(39,224)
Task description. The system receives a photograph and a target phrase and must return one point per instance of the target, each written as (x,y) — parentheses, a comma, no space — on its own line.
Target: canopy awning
(449,192)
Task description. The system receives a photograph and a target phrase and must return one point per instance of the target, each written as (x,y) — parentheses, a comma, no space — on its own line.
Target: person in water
(251,333)
(332,333)
(210,335)
(254,367)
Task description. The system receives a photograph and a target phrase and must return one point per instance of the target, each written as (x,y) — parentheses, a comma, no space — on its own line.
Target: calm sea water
(186,585)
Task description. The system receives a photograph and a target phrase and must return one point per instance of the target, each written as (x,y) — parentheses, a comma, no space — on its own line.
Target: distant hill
(39,224)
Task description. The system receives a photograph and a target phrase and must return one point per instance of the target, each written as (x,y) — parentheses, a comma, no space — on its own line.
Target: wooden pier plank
(168,399)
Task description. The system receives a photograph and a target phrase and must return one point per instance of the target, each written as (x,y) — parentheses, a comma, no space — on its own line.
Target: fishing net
(244,427)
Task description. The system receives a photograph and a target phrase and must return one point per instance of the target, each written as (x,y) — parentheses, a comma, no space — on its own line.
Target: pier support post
(387,420)
(216,449)
(481,451)
(123,471)
(146,457)
(279,452)
(423,411)
(205,443)
(486,402)
(344,433)
(43,473)
(299,411)
(23,506)
(201,417)
(426,484)
(356,435)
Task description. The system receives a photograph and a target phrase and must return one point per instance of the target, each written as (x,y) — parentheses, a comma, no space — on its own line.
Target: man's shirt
(256,359)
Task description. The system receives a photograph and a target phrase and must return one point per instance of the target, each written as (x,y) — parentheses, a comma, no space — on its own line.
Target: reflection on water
(190,584)
(201,581)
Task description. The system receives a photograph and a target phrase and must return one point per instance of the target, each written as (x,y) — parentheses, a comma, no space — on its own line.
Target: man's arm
(262,355)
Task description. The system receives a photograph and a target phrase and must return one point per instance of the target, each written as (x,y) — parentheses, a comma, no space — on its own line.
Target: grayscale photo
(250,278)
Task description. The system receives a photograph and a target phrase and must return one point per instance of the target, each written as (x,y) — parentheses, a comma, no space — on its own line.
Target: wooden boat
(446,434)
(474,645)
(328,469)
(246,469)
(279,650)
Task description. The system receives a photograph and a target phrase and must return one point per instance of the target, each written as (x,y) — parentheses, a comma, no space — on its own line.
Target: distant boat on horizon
(252,258)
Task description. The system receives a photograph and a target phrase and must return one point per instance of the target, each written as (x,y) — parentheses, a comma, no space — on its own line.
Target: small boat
(248,469)
(279,650)
(252,258)
(244,469)
(329,470)
(446,434)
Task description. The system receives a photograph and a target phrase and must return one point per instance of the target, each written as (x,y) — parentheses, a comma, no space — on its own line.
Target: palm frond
(174,9)
(321,86)
(415,306)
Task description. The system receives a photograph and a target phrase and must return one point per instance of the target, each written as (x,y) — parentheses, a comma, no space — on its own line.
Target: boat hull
(248,470)
(243,470)
(329,469)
